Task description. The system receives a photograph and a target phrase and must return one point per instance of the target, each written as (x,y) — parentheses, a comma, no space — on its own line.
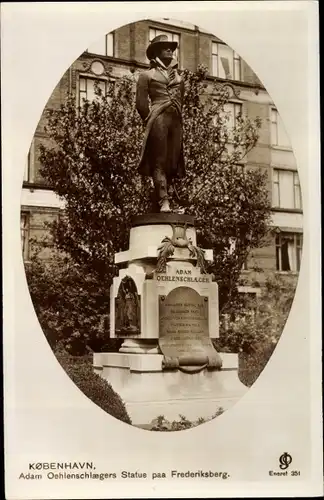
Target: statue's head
(161,47)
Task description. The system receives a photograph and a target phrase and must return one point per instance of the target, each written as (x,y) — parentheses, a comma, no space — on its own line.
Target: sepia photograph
(162,224)
(161,239)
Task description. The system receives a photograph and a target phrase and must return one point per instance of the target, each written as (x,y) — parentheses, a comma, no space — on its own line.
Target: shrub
(255,327)
(162,424)
(80,370)
(71,304)
(251,365)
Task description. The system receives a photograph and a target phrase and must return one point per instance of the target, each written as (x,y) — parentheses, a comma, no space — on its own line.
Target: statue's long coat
(155,87)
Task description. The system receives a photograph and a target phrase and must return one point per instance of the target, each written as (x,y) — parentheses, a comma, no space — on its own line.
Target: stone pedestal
(149,391)
(165,307)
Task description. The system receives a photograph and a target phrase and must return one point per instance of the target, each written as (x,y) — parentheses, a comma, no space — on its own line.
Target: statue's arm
(142,95)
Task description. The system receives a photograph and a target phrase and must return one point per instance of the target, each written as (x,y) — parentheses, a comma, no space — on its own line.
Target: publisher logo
(285,460)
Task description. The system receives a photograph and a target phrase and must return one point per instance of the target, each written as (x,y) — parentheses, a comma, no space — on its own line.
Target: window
(104,46)
(173,37)
(288,251)
(27,168)
(29,163)
(232,110)
(87,88)
(228,117)
(230,113)
(286,191)
(278,132)
(225,62)
(24,234)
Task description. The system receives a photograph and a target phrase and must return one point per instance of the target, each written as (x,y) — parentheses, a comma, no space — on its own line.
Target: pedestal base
(149,392)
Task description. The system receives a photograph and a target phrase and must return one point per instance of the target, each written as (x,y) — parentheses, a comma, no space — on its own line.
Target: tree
(71,305)
(92,166)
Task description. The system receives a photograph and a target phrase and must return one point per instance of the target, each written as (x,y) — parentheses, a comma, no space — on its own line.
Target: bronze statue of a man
(159,97)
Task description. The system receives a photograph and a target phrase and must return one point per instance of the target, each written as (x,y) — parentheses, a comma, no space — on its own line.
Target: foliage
(71,305)
(162,424)
(259,319)
(254,329)
(92,385)
(93,163)
(230,203)
(252,364)
(92,166)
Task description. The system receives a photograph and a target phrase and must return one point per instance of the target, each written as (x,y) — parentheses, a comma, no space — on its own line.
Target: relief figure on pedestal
(127,308)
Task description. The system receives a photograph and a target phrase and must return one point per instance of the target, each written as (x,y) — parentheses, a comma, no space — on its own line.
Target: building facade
(123,52)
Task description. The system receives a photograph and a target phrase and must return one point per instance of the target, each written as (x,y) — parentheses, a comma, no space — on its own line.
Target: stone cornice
(133,64)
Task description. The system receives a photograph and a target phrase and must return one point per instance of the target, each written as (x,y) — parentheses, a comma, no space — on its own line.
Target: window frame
(295,186)
(299,249)
(25,234)
(235,114)
(277,122)
(27,169)
(299,204)
(214,56)
(274,122)
(88,77)
(297,246)
(112,33)
(113,44)
(235,104)
(235,58)
(28,175)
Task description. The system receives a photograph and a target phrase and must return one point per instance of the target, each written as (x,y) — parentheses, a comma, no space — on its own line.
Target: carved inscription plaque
(183,327)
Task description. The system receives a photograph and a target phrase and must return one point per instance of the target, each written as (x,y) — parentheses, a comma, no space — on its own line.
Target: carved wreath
(179,240)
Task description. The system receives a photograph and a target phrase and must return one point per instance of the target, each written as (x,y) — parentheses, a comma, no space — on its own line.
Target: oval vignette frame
(109,67)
